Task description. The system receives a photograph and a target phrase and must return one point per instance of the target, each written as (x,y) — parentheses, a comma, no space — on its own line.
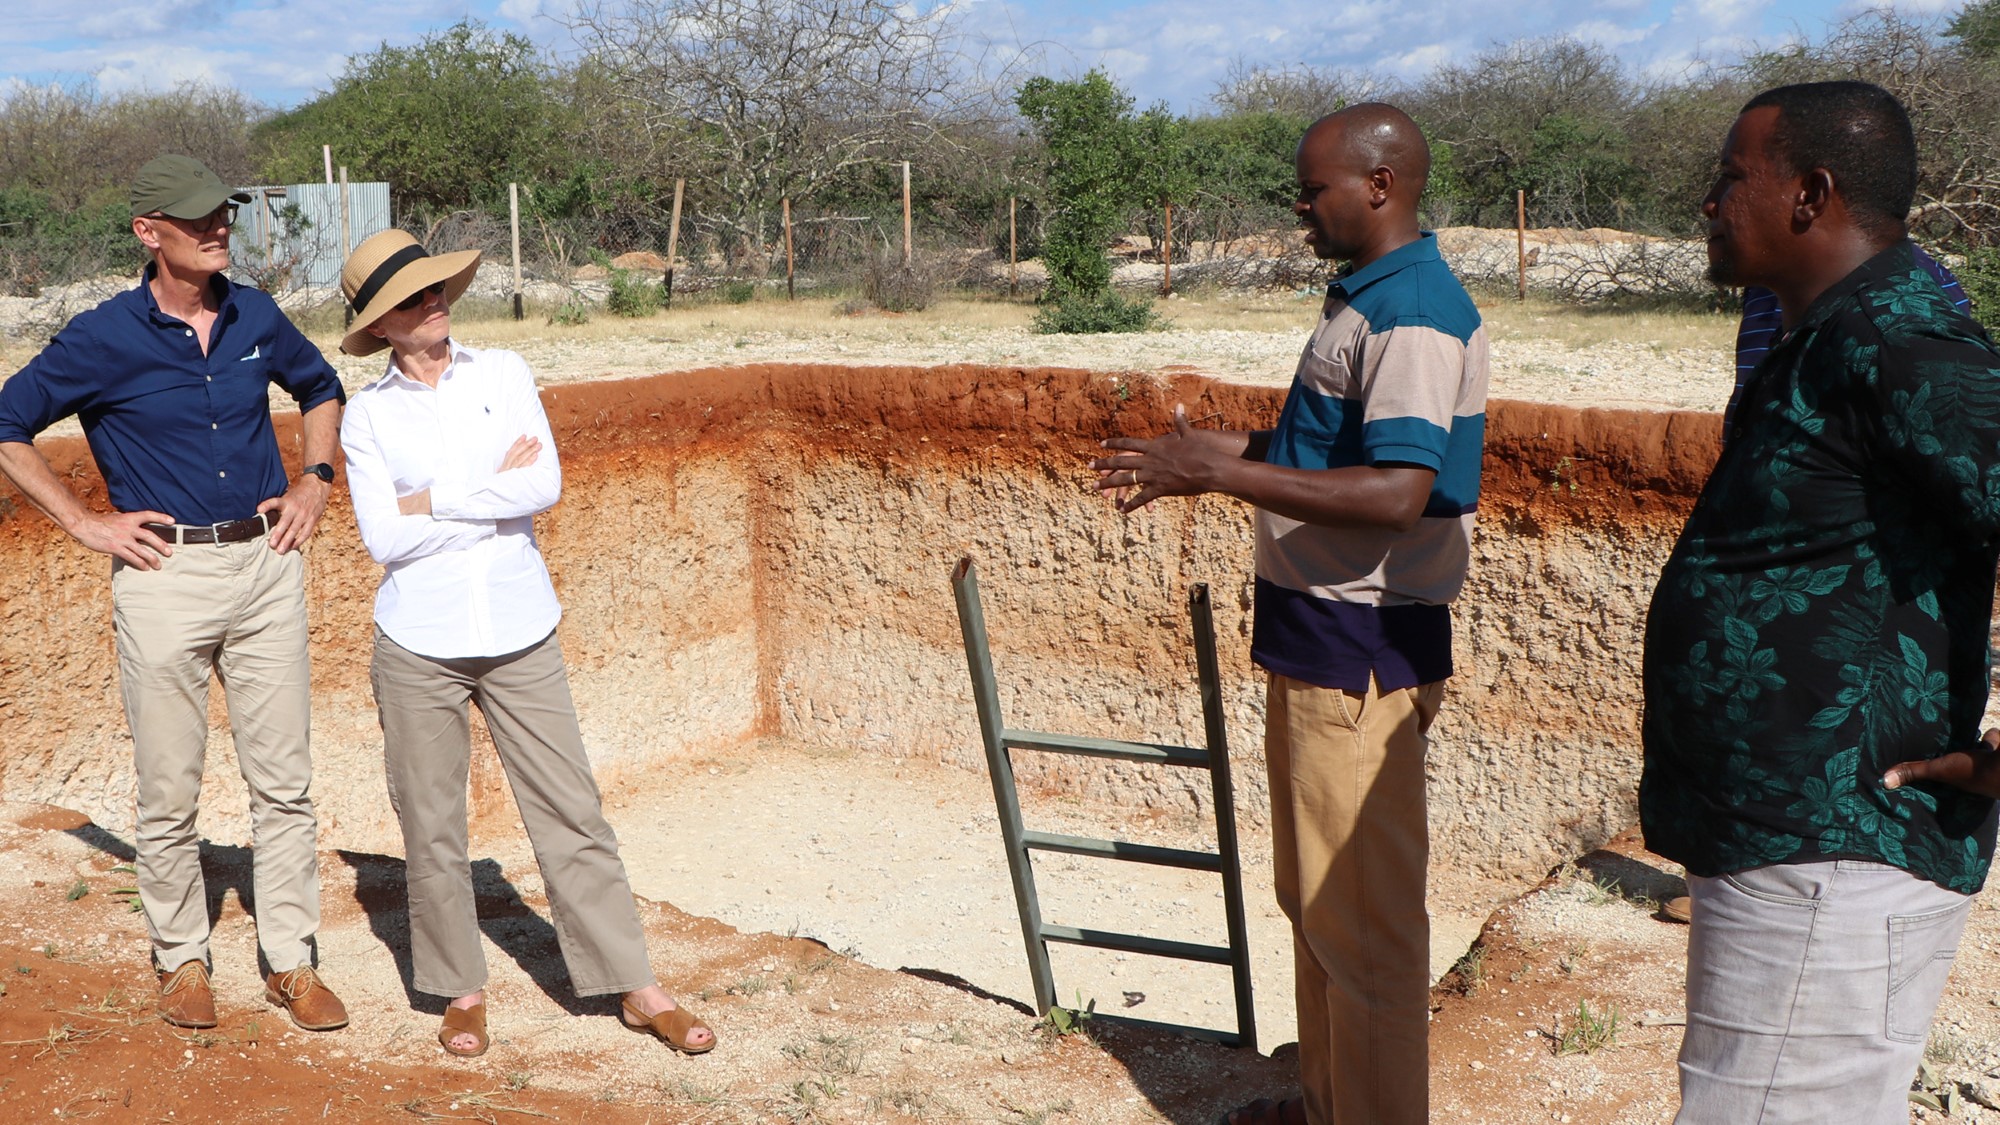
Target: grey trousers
(428,746)
(237,610)
(1810,992)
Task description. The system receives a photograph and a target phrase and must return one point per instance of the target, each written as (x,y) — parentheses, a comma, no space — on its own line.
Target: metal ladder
(1020,842)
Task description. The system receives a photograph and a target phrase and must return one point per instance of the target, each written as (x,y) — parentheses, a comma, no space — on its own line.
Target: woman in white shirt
(449,458)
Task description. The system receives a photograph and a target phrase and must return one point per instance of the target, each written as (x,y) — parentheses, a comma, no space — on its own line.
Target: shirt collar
(459,352)
(225,296)
(1422,249)
(1892,262)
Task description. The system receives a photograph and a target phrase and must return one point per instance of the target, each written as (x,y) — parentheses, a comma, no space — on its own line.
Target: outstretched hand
(1177,463)
(1976,770)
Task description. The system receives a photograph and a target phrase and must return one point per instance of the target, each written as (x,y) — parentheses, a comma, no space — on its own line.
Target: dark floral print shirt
(1825,612)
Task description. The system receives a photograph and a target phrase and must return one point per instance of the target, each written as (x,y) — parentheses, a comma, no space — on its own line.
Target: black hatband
(389,268)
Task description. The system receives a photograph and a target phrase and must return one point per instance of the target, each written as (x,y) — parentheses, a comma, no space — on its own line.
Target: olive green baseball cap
(182,187)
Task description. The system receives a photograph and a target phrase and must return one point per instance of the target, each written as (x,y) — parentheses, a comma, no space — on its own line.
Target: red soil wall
(764,551)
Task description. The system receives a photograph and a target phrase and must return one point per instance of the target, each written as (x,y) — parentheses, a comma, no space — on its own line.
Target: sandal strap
(469,1021)
(672,1025)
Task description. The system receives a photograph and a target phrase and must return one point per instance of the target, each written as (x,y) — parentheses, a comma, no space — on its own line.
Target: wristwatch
(322,470)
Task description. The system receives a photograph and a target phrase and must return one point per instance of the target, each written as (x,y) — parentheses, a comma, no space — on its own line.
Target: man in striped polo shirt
(1365,494)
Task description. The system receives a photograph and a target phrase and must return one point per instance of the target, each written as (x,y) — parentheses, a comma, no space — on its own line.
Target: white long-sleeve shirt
(466,580)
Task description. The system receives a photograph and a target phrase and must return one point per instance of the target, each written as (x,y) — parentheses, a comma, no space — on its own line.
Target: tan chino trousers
(427,743)
(1351,844)
(237,610)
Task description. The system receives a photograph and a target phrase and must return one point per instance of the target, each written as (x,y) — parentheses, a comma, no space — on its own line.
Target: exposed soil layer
(758,557)
(764,551)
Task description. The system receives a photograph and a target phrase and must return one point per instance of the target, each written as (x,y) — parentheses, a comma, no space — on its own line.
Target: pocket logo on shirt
(254,354)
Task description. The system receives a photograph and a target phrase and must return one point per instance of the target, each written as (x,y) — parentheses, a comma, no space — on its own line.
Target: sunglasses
(417,298)
(223,216)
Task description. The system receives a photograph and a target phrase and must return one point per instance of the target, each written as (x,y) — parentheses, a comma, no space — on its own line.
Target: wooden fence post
(1013,252)
(346,235)
(1521,243)
(790,294)
(906,214)
(514,221)
(326,153)
(673,245)
(1167,281)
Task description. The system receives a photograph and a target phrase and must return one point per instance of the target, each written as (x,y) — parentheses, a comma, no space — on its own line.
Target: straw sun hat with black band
(388,267)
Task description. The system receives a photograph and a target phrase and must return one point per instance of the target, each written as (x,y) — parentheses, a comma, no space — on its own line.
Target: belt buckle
(215,533)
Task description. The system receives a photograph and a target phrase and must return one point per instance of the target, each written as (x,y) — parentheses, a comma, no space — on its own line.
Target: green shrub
(572,312)
(894,287)
(738,292)
(634,297)
(1981,277)
(1107,312)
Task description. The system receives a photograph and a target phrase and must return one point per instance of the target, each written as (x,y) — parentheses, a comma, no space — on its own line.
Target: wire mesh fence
(572,266)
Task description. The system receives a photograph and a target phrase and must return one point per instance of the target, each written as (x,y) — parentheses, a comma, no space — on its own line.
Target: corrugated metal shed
(289,237)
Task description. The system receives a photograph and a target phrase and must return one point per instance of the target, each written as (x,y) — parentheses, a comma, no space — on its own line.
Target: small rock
(1010,1056)
(912,1045)
(1477,1065)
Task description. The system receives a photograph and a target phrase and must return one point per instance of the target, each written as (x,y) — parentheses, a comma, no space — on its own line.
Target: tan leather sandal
(671,1027)
(464,1021)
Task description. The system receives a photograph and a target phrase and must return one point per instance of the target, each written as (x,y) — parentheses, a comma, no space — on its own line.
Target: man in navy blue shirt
(170,380)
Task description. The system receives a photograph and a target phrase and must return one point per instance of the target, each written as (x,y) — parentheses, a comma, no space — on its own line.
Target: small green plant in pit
(78,890)
(750,986)
(1563,476)
(50,949)
(1471,970)
(518,1080)
(738,292)
(1588,1031)
(1572,956)
(1062,1021)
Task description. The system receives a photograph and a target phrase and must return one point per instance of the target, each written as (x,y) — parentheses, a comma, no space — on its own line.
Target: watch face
(322,470)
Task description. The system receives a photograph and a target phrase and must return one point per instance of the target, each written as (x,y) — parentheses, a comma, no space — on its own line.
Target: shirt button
(213,426)
(208,378)
(221,474)
(189,332)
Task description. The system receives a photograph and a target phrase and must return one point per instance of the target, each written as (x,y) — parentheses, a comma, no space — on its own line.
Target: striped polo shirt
(1395,374)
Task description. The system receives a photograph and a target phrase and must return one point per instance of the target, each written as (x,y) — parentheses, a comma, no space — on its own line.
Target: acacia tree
(773,98)
(1546,116)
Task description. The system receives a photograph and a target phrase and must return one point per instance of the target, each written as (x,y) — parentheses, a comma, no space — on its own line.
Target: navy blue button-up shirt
(174,430)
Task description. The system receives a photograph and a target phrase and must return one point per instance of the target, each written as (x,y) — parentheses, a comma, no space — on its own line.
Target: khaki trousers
(237,610)
(428,747)
(1351,845)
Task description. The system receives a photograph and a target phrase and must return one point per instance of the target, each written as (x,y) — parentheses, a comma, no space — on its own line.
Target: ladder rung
(1122,849)
(1134,943)
(1206,1034)
(1105,748)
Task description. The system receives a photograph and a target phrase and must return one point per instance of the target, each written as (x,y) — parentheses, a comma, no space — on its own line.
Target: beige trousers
(1351,844)
(427,743)
(238,610)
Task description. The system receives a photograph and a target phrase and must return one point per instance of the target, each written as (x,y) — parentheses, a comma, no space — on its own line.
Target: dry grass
(1575,326)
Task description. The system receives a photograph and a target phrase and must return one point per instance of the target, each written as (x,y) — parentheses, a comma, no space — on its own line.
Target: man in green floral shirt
(1823,619)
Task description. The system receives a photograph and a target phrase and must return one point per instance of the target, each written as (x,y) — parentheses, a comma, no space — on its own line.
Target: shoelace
(186,977)
(297,983)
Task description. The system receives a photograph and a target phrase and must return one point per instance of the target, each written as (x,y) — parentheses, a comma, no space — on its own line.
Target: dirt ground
(891,991)
(860,958)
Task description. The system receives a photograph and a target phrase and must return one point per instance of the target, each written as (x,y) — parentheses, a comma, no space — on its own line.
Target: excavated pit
(762,552)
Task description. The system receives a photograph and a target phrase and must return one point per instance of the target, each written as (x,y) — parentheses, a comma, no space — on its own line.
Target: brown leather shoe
(186,1000)
(312,1005)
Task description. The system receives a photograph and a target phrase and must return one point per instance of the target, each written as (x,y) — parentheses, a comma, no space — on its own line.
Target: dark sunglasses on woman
(417,298)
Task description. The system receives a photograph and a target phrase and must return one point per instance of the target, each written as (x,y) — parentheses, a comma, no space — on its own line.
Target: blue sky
(283,51)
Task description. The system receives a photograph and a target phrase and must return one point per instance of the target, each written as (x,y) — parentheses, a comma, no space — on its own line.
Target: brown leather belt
(231,531)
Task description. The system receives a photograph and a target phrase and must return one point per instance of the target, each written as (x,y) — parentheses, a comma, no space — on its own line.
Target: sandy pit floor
(860,962)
